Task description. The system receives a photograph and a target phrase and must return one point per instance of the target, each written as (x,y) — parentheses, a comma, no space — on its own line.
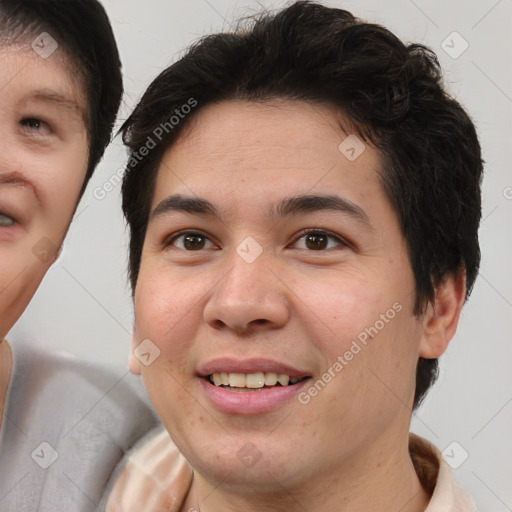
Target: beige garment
(436,477)
(157,478)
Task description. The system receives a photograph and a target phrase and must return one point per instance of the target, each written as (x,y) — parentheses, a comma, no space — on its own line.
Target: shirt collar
(436,477)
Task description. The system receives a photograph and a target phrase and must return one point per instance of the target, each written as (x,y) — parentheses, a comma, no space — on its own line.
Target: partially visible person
(60,90)
(303,238)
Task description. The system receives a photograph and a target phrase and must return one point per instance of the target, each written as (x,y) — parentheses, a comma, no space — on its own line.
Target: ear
(442,316)
(133,362)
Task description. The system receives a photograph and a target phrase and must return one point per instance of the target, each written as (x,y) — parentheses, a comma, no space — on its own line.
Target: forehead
(25,75)
(264,150)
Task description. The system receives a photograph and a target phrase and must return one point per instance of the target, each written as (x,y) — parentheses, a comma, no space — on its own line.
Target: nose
(250,296)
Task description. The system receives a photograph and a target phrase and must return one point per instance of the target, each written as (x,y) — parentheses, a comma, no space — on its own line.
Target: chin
(240,463)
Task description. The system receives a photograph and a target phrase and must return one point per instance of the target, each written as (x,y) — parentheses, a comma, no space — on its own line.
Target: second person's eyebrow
(312,203)
(287,207)
(181,203)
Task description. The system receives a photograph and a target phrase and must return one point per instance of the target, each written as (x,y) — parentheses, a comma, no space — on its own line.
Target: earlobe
(442,316)
(133,362)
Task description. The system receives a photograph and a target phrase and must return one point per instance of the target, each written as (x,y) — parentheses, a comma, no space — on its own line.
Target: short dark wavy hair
(83,31)
(391,93)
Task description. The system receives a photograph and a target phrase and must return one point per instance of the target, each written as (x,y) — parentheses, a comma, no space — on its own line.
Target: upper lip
(253,365)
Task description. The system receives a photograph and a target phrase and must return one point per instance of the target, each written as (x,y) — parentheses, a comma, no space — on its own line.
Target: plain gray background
(83,306)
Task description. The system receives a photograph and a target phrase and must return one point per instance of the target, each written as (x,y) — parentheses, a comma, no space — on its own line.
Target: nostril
(219,324)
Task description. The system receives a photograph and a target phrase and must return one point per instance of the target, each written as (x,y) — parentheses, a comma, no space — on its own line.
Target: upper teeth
(251,380)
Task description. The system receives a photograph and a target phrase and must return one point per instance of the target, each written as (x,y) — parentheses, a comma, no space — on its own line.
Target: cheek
(382,373)
(369,325)
(62,178)
(22,270)
(399,348)
(168,311)
(338,306)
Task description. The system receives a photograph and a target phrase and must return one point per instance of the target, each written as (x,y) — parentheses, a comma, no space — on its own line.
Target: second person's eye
(316,240)
(190,241)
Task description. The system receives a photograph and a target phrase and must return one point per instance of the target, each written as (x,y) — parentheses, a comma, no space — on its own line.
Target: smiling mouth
(240,382)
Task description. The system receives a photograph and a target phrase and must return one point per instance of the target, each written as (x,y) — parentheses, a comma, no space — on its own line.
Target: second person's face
(267,255)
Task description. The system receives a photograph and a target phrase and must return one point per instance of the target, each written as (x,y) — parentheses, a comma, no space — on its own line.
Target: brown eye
(190,241)
(193,242)
(318,241)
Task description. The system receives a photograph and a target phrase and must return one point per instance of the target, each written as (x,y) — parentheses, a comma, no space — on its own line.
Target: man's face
(43,161)
(302,271)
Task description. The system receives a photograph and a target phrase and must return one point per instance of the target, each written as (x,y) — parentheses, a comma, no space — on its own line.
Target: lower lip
(250,402)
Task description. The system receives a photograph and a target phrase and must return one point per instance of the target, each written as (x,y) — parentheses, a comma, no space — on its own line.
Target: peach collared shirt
(152,470)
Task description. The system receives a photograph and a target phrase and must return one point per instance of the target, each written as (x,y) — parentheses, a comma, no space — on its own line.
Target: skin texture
(5,373)
(294,304)
(44,154)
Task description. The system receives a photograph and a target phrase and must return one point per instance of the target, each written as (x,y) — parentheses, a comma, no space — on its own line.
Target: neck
(383,481)
(5,373)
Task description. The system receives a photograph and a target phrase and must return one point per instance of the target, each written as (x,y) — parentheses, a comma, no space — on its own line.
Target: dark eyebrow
(314,203)
(287,207)
(180,203)
(17,179)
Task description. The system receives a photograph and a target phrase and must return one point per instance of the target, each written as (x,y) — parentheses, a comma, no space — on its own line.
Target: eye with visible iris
(6,221)
(312,240)
(318,240)
(190,241)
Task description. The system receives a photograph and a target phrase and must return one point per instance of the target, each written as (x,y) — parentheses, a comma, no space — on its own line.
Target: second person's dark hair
(392,96)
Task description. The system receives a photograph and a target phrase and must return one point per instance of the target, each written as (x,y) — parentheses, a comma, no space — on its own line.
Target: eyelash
(310,231)
(27,121)
(319,231)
